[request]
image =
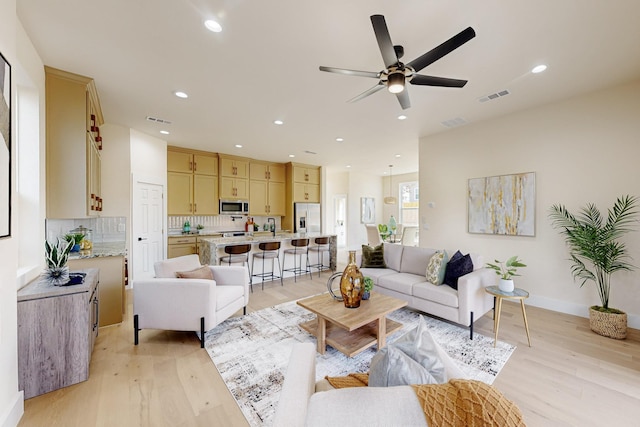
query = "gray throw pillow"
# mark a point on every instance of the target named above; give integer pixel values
(373, 257)
(411, 359)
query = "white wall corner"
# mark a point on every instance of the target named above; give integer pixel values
(14, 411)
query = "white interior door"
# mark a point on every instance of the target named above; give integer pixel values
(147, 233)
(340, 219)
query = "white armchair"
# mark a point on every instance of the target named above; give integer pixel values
(181, 304)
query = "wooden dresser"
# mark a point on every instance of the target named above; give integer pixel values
(57, 327)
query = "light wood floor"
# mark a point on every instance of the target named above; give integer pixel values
(569, 377)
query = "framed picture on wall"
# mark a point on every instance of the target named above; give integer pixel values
(5, 147)
(367, 210)
(504, 204)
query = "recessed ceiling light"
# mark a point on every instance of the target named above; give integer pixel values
(402, 117)
(278, 122)
(212, 26)
(181, 94)
(164, 132)
(238, 145)
(292, 155)
(398, 155)
(538, 69)
(339, 139)
(348, 166)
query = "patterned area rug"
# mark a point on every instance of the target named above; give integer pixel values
(252, 352)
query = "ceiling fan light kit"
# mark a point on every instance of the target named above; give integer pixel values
(396, 73)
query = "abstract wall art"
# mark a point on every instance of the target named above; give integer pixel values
(502, 204)
(5, 147)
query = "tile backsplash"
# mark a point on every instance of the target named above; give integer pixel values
(217, 222)
(103, 229)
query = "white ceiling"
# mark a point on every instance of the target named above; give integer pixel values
(264, 66)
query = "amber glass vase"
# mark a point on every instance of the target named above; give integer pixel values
(352, 283)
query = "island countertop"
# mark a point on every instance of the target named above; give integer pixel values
(209, 251)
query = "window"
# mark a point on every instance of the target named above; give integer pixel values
(409, 200)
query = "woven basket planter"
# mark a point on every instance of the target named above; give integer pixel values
(612, 325)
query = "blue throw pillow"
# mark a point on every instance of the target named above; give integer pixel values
(458, 266)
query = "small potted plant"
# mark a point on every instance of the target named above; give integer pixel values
(368, 286)
(57, 272)
(506, 271)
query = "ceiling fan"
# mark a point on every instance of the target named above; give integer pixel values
(396, 73)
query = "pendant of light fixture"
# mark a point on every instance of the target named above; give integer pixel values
(390, 200)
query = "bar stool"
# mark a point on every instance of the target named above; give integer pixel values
(322, 246)
(236, 254)
(270, 250)
(300, 247)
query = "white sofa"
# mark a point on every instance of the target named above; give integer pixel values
(405, 277)
(171, 303)
(305, 402)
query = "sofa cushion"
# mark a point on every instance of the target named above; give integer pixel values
(394, 406)
(169, 267)
(415, 260)
(412, 359)
(437, 267)
(458, 266)
(373, 257)
(203, 272)
(444, 295)
(393, 255)
(400, 282)
(376, 273)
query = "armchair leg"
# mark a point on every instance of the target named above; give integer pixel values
(135, 329)
(202, 332)
(244, 310)
(471, 327)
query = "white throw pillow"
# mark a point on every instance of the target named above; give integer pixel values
(411, 359)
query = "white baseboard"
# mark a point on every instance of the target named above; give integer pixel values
(633, 320)
(10, 417)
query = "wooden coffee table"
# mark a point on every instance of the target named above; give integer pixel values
(351, 330)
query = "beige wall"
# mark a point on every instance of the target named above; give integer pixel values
(582, 150)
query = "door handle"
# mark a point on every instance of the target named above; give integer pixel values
(141, 238)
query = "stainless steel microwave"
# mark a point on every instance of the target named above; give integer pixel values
(234, 207)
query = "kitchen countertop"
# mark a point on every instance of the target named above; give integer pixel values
(101, 250)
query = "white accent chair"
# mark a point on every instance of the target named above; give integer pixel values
(373, 235)
(171, 303)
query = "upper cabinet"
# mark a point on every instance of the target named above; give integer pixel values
(267, 188)
(234, 177)
(74, 143)
(192, 182)
(306, 183)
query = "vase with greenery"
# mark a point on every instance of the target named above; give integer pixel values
(368, 286)
(76, 238)
(506, 270)
(597, 252)
(57, 272)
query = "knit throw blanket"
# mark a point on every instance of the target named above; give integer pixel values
(458, 403)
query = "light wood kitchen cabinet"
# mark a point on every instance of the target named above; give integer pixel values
(57, 328)
(181, 245)
(306, 193)
(267, 192)
(73, 142)
(112, 297)
(192, 184)
(306, 174)
(182, 160)
(234, 167)
(234, 188)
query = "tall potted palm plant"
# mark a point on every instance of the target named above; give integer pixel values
(597, 252)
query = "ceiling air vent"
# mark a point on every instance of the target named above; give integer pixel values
(494, 96)
(451, 123)
(309, 152)
(157, 120)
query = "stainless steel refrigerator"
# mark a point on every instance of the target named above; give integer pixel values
(307, 218)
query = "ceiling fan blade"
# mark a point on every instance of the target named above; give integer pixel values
(403, 99)
(351, 72)
(419, 79)
(384, 40)
(368, 92)
(445, 48)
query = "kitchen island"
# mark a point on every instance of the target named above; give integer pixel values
(213, 248)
